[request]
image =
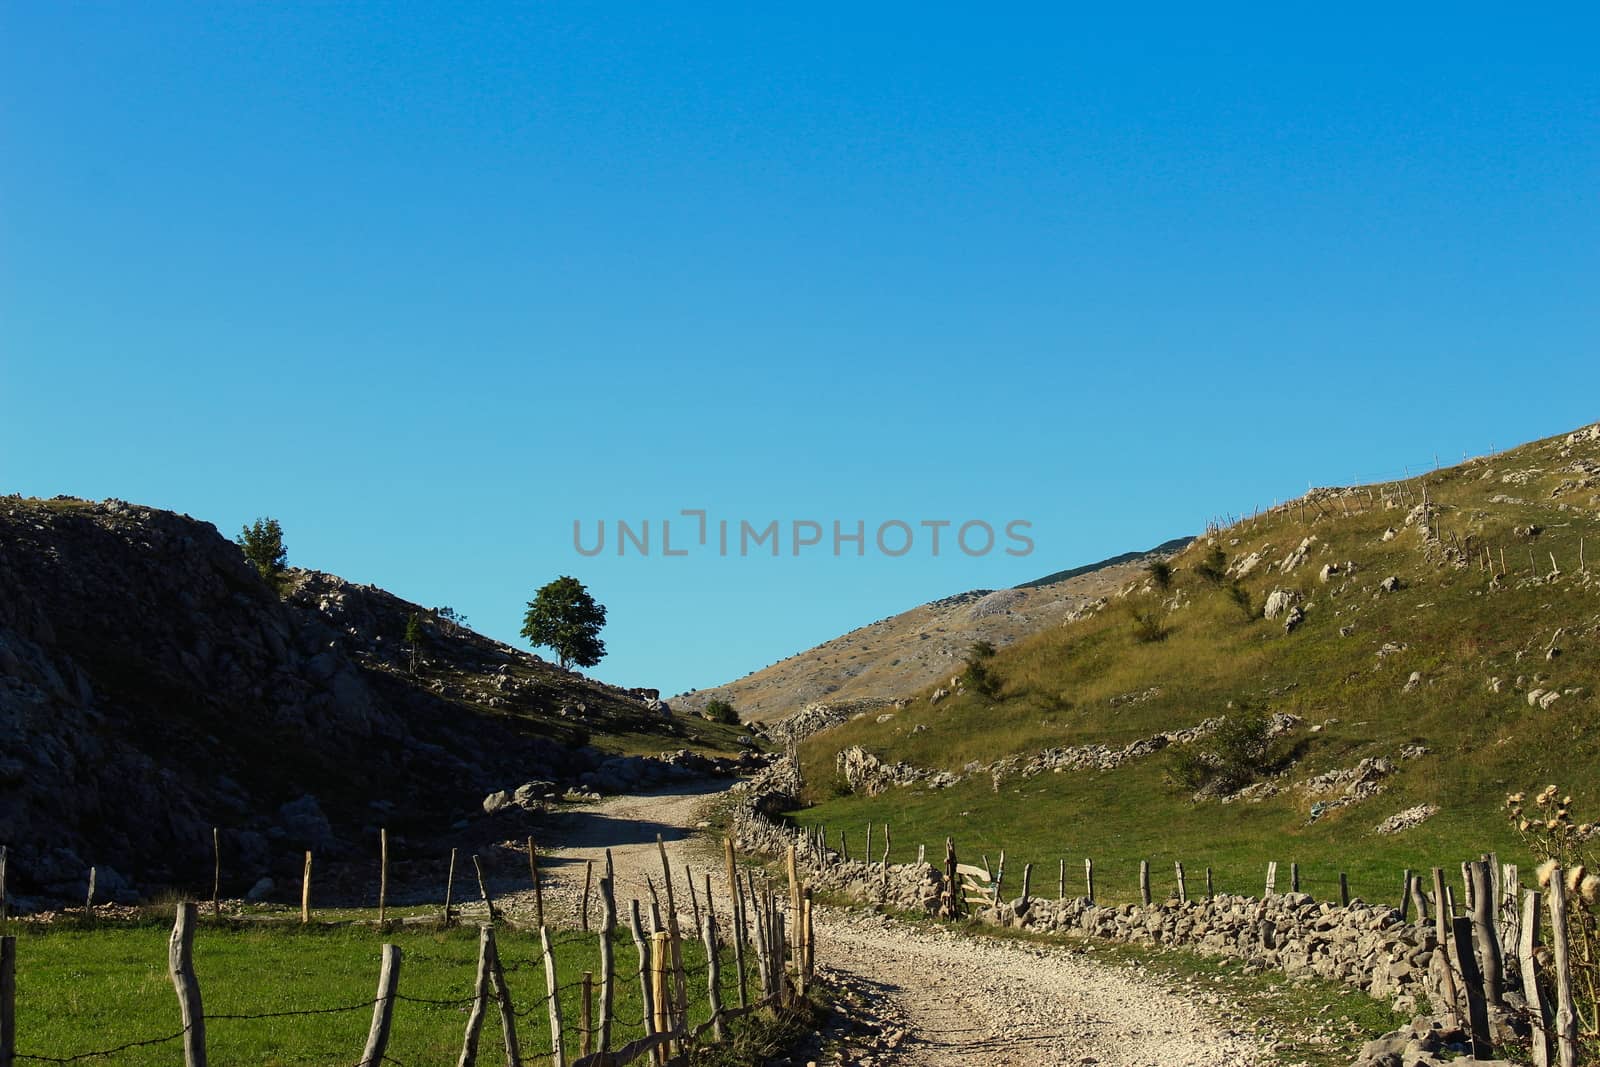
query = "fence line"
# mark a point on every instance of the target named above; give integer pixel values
(787, 951)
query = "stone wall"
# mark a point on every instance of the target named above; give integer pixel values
(1363, 945)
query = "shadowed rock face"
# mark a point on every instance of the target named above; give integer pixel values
(152, 686)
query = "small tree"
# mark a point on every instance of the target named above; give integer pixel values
(263, 547)
(1160, 572)
(719, 710)
(413, 637)
(1236, 753)
(1213, 567)
(562, 616)
(451, 617)
(977, 675)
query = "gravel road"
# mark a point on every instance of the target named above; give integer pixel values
(938, 997)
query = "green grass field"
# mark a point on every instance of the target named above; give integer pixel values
(82, 989)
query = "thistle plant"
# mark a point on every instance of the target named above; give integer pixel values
(1560, 842)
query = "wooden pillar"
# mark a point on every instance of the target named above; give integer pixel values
(480, 999)
(538, 889)
(646, 996)
(1344, 890)
(383, 875)
(1472, 979)
(382, 1008)
(1566, 1011)
(1538, 1012)
(1183, 890)
(608, 962)
(449, 886)
(737, 905)
(1483, 931)
(1088, 878)
(305, 891)
(180, 967)
(1144, 881)
(552, 997)
(502, 998)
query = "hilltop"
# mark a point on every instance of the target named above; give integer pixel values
(896, 656)
(153, 686)
(1414, 651)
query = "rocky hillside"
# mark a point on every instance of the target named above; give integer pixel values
(905, 652)
(153, 686)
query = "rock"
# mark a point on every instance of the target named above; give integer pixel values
(1279, 601)
(1404, 820)
(1293, 619)
(1392, 584)
(1413, 683)
(496, 802)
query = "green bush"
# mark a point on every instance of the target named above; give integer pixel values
(1148, 627)
(1238, 752)
(719, 710)
(1213, 566)
(1160, 572)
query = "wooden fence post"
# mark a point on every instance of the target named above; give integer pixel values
(1483, 931)
(1061, 885)
(1472, 979)
(216, 873)
(88, 900)
(1419, 900)
(646, 997)
(737, 899)
(1144, 881)
(1344, 890)
(449, 886)
(1272, 878)
(5, 901)
(811, 951)
(1537, 1010)
(952, 894)
(1442, 917)
(483, 888)
(713, 969)
(1294, 877)
(480, 998)
(180, 966)
(305, 891)
(538, 889)
(1405, 895)
(552, 995)
(1566, 1013)
(694, 896)
(502, 999)
(382, 1008)
(680, 981)
(759, 926)
(1088, 878)
(1211, 891)
(608, 962)
(660, 966)
(383, 875)
(1183, 890)
(8, 1001)
(583, 906)
(794, 879)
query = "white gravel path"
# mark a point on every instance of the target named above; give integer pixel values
(940, 997)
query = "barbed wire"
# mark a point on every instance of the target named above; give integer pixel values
(35, 1058)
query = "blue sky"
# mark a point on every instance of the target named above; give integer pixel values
(428, 284)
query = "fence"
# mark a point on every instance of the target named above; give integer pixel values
(1490, 940)
(775, 939)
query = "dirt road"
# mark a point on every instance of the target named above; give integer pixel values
(958, 1000)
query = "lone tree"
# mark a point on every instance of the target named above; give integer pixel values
(413, 638)
(263, 547)
(563, 616)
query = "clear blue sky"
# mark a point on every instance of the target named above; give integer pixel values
(427, 283)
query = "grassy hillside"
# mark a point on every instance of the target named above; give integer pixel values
(1447, 660)
(898, 655)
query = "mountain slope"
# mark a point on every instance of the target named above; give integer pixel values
(1422, 647)
(898, 655)
(152, 686)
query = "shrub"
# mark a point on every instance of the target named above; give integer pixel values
(719, 710)
(263, 547)
(1148, 627)
(977, 676)
(1160, 572)
(1238, 752)
(1241, 596)
(1213, 567)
